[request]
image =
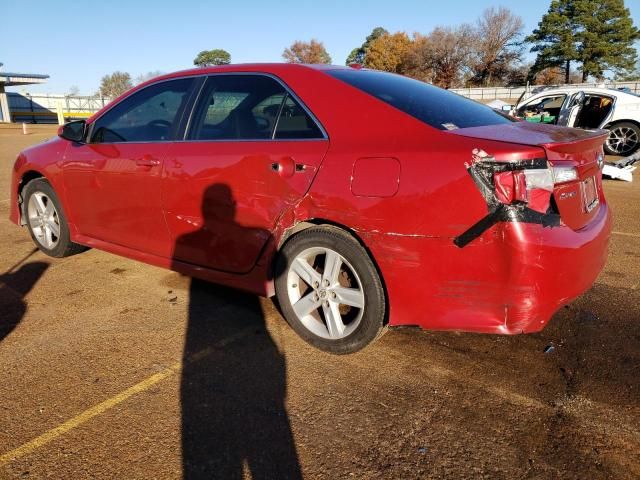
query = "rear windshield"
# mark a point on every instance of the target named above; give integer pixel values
(432, 105)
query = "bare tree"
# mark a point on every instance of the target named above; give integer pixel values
(498, 45)
(418, 63)
(442, 56)
(306, 52)
(143, 77)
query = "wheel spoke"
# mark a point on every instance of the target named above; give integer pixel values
(349, 296)
(332, 316)
(332, 264)
(306, 305)
(305, 271)
(36, 204)
(49, 209)
(40, 206)
(48, 239)
(53, 226)
(34, 223)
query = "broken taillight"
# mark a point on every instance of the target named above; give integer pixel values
(531, 186)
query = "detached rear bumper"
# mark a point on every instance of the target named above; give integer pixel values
(510, 280)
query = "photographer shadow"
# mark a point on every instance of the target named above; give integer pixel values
(15, 284)
(234, 417)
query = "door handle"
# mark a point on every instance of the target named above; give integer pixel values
(287, 166)
(147, 161)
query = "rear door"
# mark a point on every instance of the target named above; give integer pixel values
(113, 181)
(251, 151)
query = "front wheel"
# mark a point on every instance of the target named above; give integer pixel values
(46, 221)
(623, 140)
(329, 290)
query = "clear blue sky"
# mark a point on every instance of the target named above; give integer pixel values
(77, 42)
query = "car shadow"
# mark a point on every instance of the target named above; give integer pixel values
(15, 284)
(234, 417)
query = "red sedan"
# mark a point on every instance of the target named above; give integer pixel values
(361, 199)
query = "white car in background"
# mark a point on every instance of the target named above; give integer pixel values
(589, 108)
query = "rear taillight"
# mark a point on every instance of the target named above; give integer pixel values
(532, 186)
(564, 174)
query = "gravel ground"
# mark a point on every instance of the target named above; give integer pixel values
(114, 369)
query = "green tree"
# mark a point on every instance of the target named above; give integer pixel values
(115, 84)
(207, 58)
(606, 37)
(306, 52)
(555, 39)
(357, 54)
(598, 34)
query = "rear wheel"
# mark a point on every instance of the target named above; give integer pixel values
(330, 291)
(46, 221)
(624, 139)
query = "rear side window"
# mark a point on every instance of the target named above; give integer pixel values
(146, 116)
(294, 122)
(249, 107)
(432, 105)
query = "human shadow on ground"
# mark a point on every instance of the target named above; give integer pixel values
(15, 284)
(233, 385)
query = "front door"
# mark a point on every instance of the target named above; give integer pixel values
(571, 109)
(251, 152)
(113, 181)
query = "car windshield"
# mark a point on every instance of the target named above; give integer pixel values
(432, 105)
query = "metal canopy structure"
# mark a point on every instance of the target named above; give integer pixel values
(11, 79)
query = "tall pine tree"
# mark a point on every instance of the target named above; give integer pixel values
(555, 38)
(598, 34)
(606, 37)
(357, 54)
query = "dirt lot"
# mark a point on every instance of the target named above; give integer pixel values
(114, 369)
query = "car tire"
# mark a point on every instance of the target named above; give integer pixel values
(628, 130)
(330, 291)
(46, 220)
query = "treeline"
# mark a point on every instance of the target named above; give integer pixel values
(576, 40)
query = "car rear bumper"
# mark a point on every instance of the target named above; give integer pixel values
(510, 280)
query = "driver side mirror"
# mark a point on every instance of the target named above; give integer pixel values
(73, 131)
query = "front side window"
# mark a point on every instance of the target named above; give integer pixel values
(148, 115)
(249, 107)
(432, 105)
(543, 109)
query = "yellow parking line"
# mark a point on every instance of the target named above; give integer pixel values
(102, 407)
(625, 234)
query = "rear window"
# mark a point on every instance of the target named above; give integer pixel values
(432, 105)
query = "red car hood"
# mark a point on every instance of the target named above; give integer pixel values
(551, 137)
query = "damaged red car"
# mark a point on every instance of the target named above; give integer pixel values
(361, 199)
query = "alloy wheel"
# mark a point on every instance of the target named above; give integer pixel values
(622, 140)
(325, 292)
(43, 220)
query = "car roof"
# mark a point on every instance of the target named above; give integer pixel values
(577, 88)
(249, 67)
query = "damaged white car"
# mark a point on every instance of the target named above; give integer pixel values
(588, 108)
